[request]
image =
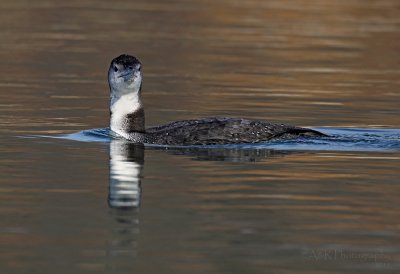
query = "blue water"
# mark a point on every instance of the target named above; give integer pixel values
(340, 139)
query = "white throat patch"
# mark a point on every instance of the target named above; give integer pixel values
(125, 104)
(121, 107)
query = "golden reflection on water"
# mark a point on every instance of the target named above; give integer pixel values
(319, 63)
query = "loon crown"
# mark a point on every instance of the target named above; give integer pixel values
(126, 60)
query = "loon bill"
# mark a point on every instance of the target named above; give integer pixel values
(127, 117)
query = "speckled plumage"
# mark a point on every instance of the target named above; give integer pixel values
(221, 130)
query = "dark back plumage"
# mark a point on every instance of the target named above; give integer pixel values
(223, 131)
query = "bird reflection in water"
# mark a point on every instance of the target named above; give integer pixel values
(127, 160)
(126, 164)
(239, 155)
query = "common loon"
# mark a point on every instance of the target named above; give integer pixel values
(127, 117)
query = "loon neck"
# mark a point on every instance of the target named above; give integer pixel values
(127, 113)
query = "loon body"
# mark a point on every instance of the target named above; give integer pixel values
(128, 120)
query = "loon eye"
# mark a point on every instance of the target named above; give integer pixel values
(130, 68)
(115, 68)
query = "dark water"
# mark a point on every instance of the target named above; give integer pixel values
(82, 202)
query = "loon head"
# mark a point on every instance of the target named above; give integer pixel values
(126, 108)
(124, 75)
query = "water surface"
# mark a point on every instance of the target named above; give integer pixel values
(88, 203)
